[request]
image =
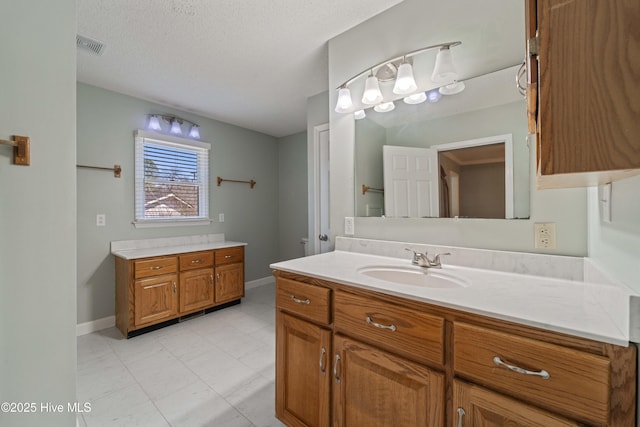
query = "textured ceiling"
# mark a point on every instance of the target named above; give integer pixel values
(251, 63)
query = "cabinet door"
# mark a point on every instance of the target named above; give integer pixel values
(156, 299)
(474, 406)
(196, 289)
(303, 381)
(374, 388)
(229, 282)
(588, 84)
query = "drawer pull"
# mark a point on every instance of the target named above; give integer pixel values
(323, 355)
(542, 373)
(391, 327)
(300, 301)
(461, 414)
(196, 261)
(155, 267)
(228, 256)
(335, 369)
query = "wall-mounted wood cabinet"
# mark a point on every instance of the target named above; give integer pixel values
(153, 290)
(584, 90)
(350, 356)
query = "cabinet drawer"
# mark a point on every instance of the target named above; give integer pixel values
(155, 266)
(578, 383)
(309, 301)
(408, 332)
(196, 260)
(229, 255)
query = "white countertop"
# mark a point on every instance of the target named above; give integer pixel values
(143, 248)
(589, 310)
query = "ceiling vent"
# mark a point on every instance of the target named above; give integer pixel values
(91, 45)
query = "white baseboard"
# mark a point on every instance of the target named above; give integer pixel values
(95, 325)
(259, 282)
(110, 321)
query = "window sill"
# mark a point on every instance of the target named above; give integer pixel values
(156, 223)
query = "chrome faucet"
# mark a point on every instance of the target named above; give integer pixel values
(423, 260)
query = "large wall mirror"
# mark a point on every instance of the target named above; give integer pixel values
(466, 155)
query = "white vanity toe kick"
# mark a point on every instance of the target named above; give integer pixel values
(588, 310)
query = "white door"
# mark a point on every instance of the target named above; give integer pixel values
(321, 226)
(410, 182)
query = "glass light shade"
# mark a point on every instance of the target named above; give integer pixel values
(372, 94)
(154, 123)
(385, 107)
(452, 89)
(175, 128)
(434, 96)
(416, 98)
(444, 68)
(360, 114)
(405, 83)
(194, 132)
(344, 103)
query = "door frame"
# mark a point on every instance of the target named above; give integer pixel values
(315, 204)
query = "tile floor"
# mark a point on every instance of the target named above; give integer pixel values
(215, 370)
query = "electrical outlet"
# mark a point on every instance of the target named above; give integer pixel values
(545, 235)
(349, 226)
(101, 220)
(221, 217)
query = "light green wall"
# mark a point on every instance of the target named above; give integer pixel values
(361, 47)
(38, 210)
(615, 245)
(292, 194)
(105, 124)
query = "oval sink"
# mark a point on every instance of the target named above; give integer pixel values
(418, 276)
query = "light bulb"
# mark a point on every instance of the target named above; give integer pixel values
(175, 128)
(154, 123)
(360, 114)
(372, 94)
(434, 96)
(344, 103)
(194, 132)
(416, 98)
(405, 83)
(444, 68)
(385, 107)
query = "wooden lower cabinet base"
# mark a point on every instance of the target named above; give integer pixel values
(141, 331)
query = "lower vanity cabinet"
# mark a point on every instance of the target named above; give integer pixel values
(196, 281)
(153, 290)
(303, 354)
(376, 388)
(229, 282)
(354, 357)
(476, 406)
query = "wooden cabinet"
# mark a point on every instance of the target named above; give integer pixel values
(377, 388)
(150, 291)
(156, 299)
(347, 356)
(477, 406)
(229, 274)
(303, 378)
(583, 90)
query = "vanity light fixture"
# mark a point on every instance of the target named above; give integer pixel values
(400, 69)
(173, 125)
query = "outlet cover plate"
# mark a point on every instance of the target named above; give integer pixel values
(349, 226)
(545, 235)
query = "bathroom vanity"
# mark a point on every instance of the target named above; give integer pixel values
(364, 339)
(160, 281)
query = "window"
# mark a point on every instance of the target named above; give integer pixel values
(172, 180)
